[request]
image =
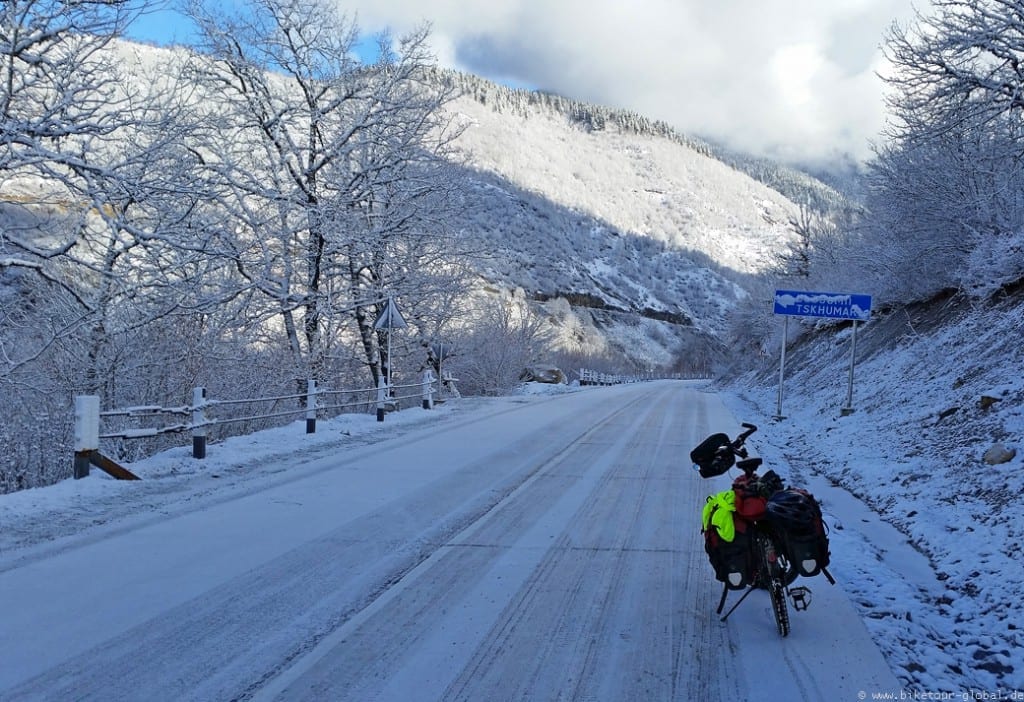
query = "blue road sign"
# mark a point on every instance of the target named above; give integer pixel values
(823, 304)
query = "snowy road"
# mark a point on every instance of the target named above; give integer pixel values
(543, 550)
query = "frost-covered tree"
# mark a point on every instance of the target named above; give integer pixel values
(505, 339)
(58, 94)
(958, 67)
(795, 259)
(56, 82)
(950, 179)
(329, 169)
(91, 162)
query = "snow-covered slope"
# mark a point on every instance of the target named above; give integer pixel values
(937, 385)
(634, 183)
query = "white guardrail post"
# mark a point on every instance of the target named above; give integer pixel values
(311, 406)
(428, 389)
(198, 423)
(382, 391)
(87, 432)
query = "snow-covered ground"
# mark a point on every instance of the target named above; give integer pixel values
(41, 515)
(511, 548)
(925, 536)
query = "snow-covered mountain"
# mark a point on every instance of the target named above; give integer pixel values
(629, 235)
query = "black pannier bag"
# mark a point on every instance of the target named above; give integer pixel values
(732, 560)
(797, 516)
(709, 457)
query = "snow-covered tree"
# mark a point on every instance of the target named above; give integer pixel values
(91, 158)
(950, 179)
(58, 93)
(329, 169)
(56, 82)
(958, 67)
(505, 339)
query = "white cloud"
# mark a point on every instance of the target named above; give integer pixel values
(794, 78)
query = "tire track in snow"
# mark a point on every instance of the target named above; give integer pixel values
(563, 588)
(281, 610)
(353, 662)
(590, 622)
(703, 652)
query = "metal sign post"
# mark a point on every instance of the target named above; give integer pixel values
(848, 407)
(389, 319)
(827, 305)
(440, 351)
(782, 368)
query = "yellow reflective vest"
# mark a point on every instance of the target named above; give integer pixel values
(718, 512)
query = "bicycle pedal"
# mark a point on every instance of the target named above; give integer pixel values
(801, 597)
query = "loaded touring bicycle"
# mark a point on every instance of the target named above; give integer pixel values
(760, 534)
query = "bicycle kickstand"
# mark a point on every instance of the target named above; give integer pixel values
(721, 602)
(738, 602)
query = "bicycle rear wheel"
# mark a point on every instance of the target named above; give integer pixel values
(777, 592)
(775, 584)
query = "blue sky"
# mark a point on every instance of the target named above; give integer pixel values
(792, 79)
(162, 27)
(165, 27)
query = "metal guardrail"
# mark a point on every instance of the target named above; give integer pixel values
(88, 415)
(591, 377)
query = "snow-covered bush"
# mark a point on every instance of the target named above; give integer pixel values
(504, 340)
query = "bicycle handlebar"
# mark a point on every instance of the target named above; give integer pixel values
(737, 444)
(717, 453)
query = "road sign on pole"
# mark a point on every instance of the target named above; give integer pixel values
(823, 304)
(827, 305)
(389, 319)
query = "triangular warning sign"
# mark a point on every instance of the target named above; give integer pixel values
(390, 318)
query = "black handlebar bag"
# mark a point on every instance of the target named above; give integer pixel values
(713, 456)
